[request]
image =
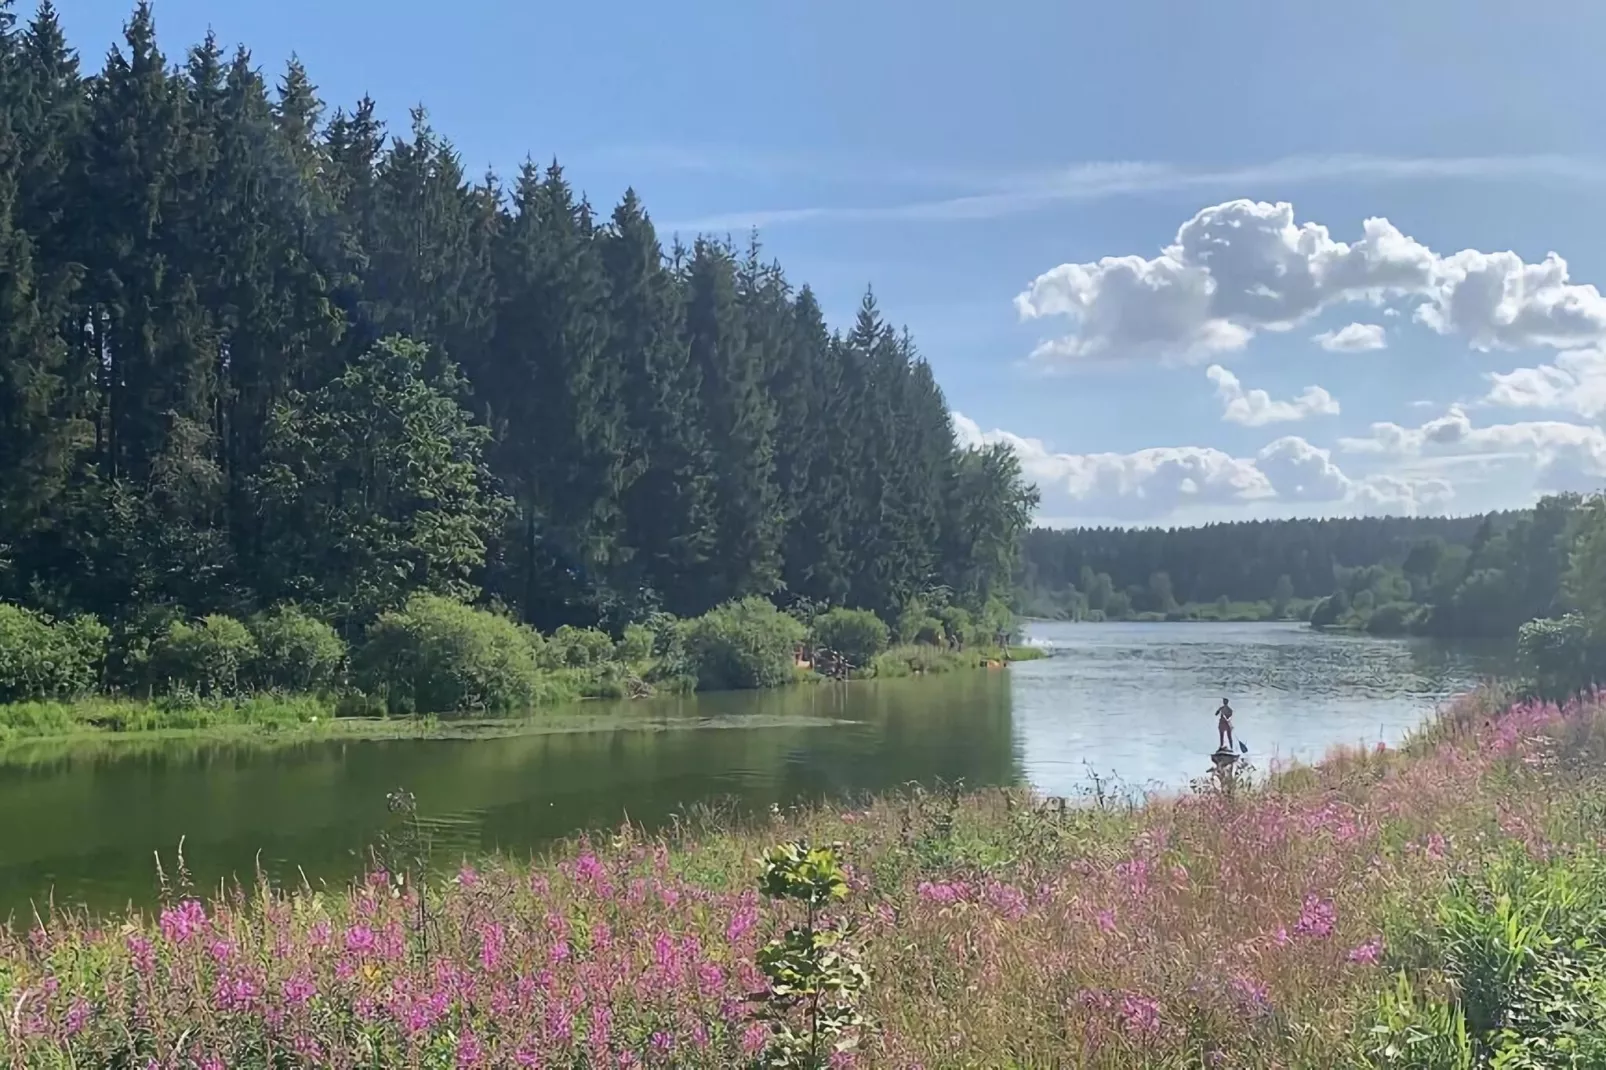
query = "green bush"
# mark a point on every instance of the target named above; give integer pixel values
(1559, 658)
(1393, 618)
(295, 652)
(740, 645)
(575, 648)
(436, 655)
(635, 646)
(210, 657)
(958, 624)
(857, 634)
(41, 658)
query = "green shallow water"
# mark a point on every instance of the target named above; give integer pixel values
(83, 821)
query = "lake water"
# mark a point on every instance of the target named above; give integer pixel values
(1132, 702)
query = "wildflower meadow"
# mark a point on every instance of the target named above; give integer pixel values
(1437, 905)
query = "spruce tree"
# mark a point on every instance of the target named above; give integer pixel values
(740, 419)
(665, 508)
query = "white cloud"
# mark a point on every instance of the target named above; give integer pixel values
(1575, 383)
(1003, 195)
(1551, 454)
(1242, 267)
(1161, 482)
(1354, 338)
(1255, 408)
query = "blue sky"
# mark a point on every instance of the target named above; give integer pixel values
(952, 153)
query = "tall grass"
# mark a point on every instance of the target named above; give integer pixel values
(1308, 920)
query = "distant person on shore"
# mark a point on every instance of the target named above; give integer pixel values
(1224, 724)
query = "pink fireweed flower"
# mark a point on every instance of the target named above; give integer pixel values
(318, 936)
(741, 923)
(1138, 1015)
(469, 1051)
(492, 940)
(1369, 953)
(360, 939)
(468, 877)
(140, 950)
(1106, 920)
(1251, 992)
(1316, 918)
(221, 951)
(298, 990)
(378, 879)
(183, 921)
(77, 1015)
(234, 994)
(589, 868)
(1135, 874)
(944, 892)
(1008, 901)
(755, 1038)
(710, 978)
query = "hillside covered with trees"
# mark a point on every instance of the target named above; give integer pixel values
(256, 352)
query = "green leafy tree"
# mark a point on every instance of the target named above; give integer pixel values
(375, 487)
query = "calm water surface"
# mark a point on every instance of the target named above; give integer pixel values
(1133, 702)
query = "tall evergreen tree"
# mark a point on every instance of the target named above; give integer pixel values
(554, 398)
(741, 420)
(665, 508)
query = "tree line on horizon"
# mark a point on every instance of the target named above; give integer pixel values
(253, 352)
(1483, 575)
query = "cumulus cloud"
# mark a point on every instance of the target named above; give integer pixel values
(1354, 338)
(1255, 408)
(1242, 267)
(1560, 456)
(1574, 383)
(1152, 484)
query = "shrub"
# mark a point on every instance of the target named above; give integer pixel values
(957, 623)
(1559, 658)
(295, 651)
(1393, 618)
(436, 655)
(575, 648)
(857, 634)
(635, 646)
(41, 658)
(209, 657)
(743, 644)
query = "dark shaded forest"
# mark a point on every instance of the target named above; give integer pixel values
(257, 351)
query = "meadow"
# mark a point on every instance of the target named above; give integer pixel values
(1439, 905)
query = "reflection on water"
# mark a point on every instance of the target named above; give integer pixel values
(1132, 700)
(1138, 701)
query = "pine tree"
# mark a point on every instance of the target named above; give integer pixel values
(741, 419)
(554, 400)
(665, 507)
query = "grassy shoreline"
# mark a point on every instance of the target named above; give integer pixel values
(1318, 919)
(293, 718)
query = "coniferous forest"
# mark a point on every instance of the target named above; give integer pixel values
(256, 348)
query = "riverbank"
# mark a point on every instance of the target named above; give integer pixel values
(1307, 922)
(561, 706)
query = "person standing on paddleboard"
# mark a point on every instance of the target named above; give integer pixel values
(1224, 724)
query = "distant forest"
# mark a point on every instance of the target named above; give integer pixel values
(256, 351)
(1450, 575)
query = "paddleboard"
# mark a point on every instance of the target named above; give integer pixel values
(1224, 756)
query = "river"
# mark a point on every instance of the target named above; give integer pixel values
(1132, 703)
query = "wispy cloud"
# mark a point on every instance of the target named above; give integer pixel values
(1020, 194)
